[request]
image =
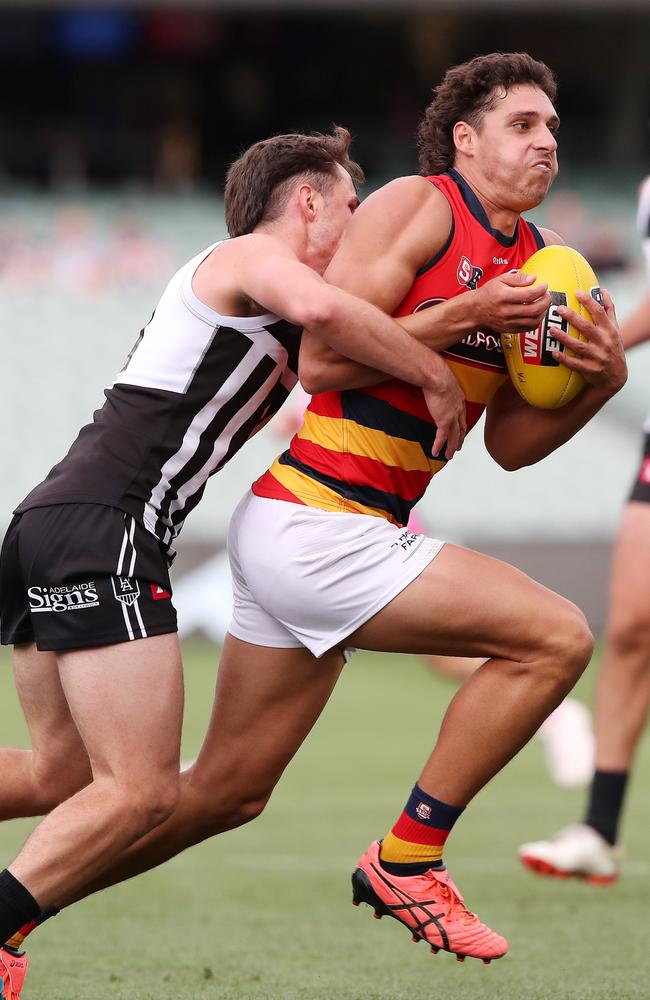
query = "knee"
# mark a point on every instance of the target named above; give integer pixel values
(218, 806)
(628, 637)
(59, 781)
(149, 806)
(570, 644)
(246, 808)
(230, 813)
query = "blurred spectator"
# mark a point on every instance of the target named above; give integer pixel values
(77, 252)
(22, 260)
(133, 257)
(76, 255)
(178, 165)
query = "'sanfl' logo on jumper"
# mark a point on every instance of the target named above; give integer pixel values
(468, 275)
(536, 345)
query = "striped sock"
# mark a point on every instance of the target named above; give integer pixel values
(416, 841)
(14, 943)
(17, 905)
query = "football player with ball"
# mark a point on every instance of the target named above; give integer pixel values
(339, 570)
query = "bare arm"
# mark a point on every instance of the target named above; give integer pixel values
(270, 275)
(636, 328)
(517, 434)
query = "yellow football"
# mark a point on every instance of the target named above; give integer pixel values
(538, 377)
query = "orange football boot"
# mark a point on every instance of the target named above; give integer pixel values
(13, 969)
(430, 906)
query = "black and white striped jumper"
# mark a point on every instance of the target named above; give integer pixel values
(194, 388)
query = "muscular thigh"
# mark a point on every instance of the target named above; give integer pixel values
(53, 733)
(466, 604)
(127, 703)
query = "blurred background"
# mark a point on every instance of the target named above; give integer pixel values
(117, 124)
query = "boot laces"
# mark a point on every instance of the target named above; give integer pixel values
(455, 905)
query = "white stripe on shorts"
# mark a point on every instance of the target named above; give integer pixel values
(128, 540)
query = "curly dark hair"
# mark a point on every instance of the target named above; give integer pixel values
(259, 183)
(466, 93)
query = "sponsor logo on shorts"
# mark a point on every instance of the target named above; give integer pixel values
(423, 811)
(406, 540)
(71, 597)
(126, 589)
(159, 593)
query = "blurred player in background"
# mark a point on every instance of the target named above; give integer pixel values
(590, 849)
(102, 691)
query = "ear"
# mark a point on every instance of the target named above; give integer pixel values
(308, 201)
(464, 138)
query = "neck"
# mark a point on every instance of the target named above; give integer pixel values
(501, 217)
(296, 237)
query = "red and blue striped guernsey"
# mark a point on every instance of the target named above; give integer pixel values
(368, 451)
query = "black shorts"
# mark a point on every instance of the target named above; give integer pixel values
(60, 561)
(641, 488)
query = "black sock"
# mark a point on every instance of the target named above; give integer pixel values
(606, 802)
(17, 905)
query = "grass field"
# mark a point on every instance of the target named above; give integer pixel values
(264, 912)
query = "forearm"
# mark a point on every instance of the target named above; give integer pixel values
(636, 329)
(365, 335)
(437, 327)
(336, 373)
(443, 324)
(523, 435)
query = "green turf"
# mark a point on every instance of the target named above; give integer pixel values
(264, 912)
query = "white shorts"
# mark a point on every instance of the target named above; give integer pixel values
(309, 577)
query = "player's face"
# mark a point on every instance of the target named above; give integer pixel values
(516, 148)
(337, 207)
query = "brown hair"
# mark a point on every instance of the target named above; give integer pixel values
(466, 93)
(259, 183)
